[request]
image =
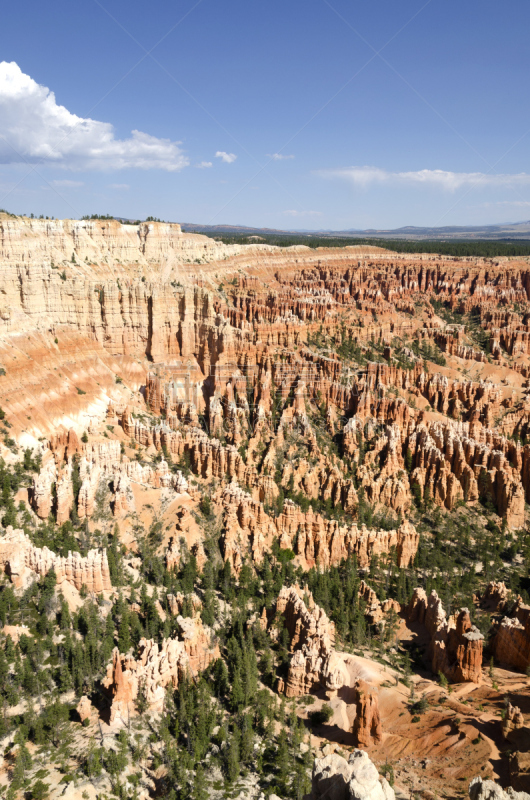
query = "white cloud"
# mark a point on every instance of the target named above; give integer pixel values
(124, 186)
(450, 181)
(37, 128)
(228, 158)
(294, 213)
(68, 184)
(204, 165)
(277, 156)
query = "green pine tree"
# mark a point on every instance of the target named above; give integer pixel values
(201, 789)
(233, 765)
(237, 696)
(124, 635)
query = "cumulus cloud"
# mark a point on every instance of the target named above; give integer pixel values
(278, 156)
(294, 213)
(204, 165)
(68, 184)
(34, 127)
(228, 158)
(450, 181)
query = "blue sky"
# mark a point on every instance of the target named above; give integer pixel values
(315, 114)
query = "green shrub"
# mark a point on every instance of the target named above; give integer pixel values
(321, 716)
(39, 790)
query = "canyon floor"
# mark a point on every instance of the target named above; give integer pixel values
(262, 509)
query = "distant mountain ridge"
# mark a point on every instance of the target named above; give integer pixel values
(516, 230)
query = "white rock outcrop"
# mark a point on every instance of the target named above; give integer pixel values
(356, 779)
(489, 790)
(20, 559)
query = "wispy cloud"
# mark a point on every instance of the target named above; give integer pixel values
(123, 186)
(228, 158)
(204, 165)
(449, 181)
(294, 213)
(278, 156)
(35, 128)
(68, 184)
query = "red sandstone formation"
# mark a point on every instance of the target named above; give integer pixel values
(302, 617)
(42, 487)
(177, 603)
(84, 708)
(513, 721)
(153, 318)
(64, 495)
(124, 502)
(65, 444)
(244, 387)
(450, 461)
(511, 643)
(15, 632)
(86, 498)
(250, 531)
(19, 558)
(448, 474)
(376, 610)
(495, 596)
(208, 457)
(454, 466)
(173, 555)
(456, 644)
(367, 726)
(99, 462)
(187, 537)
(462, 660)
(451, 341)
(314, 663)
(156, 667)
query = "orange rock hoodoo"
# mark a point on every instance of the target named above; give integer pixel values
(250, 531)
(99, 463)
(19, 558)
(513, 721)
(231, 357)
(511, 643)
(367, 726)
(451, 461)
(375, 610)
(456, 644)
(314, 662)
(495, 596)
(156, 667)
(302, 392)
(316, 665)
